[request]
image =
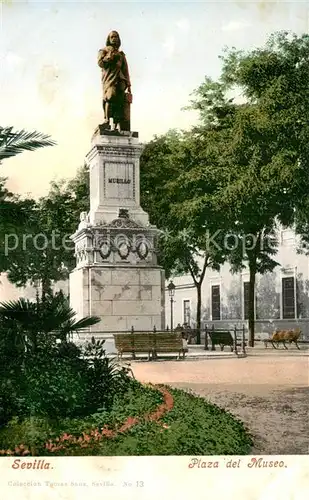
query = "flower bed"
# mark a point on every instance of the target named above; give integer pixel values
(137, 400)
(174, 423)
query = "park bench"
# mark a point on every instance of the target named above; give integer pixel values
(150, 343)
(134, 343)
(222, 338)
(283, 336)
(168, 342)
(234, 338)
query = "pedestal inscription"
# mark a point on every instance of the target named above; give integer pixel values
(119, 181)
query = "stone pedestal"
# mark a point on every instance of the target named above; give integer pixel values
(116, 276)
(114, 177)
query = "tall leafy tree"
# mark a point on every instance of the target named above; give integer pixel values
(45, 252)
(266, 146)
(14, 211)
(14, 219)
(179, 178)
(270, 148)
(256, 150)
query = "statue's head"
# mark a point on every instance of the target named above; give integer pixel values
(113, 39)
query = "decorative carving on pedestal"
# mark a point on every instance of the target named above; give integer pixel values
(123, 248)
(124, 223)
(110, 150)
(122, 240)
(142, 250)
(105, 249)
(84, 220)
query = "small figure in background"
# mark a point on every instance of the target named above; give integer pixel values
(178, 328)
(188, 331)
(184, 342)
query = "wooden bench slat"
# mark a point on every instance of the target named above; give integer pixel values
(149, 342)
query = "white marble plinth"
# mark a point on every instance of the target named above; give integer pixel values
(122, 297)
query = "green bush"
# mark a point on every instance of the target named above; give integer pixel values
(53, 387)
(57, 378)
(66, 381)
(35, 431)
(10, 377)
(39, 376)
(8, 401)
(105, 378)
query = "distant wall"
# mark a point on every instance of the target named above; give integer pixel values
(9, 291)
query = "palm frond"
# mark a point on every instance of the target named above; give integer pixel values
(14, 142)
(48, 317)
(22, 310)
(15, 306)
(80, 324)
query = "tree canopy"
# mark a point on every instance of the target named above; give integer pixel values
(45, 252)
(246, 158)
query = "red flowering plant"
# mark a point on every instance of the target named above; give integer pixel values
(93, 437)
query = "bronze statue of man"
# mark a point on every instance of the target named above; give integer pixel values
(116, 84)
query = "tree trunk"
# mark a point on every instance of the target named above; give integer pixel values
(251, 319)
(198, 285)
(198, 312)
(46, 288)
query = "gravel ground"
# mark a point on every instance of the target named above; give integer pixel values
(269, 393)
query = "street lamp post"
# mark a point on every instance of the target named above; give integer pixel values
(171, 291)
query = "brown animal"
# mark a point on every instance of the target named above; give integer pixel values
(283, 336)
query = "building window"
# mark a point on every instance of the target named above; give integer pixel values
(288, 298)
(186, 312)
(287, 237)
(215, 302)
(246, 300)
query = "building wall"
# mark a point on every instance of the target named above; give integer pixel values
(8, 291)
(269, 301)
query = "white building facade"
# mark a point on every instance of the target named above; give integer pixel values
(281, 297)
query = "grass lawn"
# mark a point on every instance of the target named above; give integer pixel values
(144, 421)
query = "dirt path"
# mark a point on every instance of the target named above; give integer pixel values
(269, 394)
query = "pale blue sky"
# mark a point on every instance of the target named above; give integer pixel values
(50, 81)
